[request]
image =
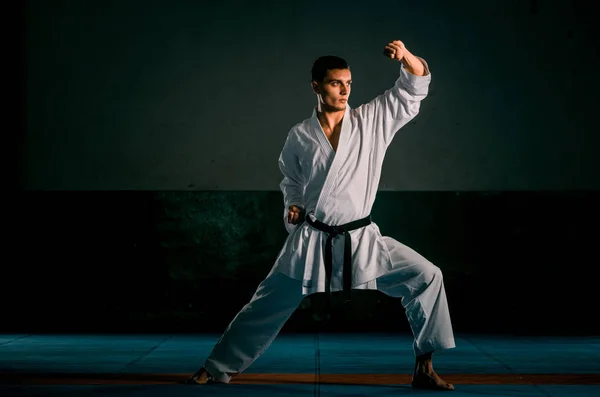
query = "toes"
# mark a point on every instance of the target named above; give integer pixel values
(431, 383)
(195, 381)
(199, 378)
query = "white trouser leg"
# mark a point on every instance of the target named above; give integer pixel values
(256, 325)
(421, 286)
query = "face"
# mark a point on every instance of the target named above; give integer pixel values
(334, 90)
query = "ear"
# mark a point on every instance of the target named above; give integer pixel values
(315, 87)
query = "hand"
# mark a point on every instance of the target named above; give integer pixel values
(395, 50)
(295, 215)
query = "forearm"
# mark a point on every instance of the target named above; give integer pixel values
(412, 64)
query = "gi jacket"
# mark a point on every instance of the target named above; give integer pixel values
(340, 187)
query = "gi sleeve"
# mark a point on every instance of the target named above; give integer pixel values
(393, 109)
(292, 185)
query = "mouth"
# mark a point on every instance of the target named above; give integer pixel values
(343, 100)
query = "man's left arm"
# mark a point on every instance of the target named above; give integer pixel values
(393, 109)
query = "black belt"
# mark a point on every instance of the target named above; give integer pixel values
(335, 231)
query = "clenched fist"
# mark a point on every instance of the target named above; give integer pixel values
(395, 50)
(295, 215)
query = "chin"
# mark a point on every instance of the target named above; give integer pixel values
(336, 107)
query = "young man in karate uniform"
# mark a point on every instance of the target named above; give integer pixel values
(331, 165)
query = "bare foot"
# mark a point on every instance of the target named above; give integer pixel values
(430, 381)
(200, 378)
(424, 377)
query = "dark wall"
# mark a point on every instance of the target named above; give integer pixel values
(124, 100)
(187, 261)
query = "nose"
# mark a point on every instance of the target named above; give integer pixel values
(345, 89)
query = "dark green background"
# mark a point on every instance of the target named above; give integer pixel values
(152, 130)
(193, 95)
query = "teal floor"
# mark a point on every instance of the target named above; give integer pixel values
(153, 365)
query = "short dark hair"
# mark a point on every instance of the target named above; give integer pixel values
(325, 63)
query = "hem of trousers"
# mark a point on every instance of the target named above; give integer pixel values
(434, 345)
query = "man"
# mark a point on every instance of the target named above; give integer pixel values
(331, 165)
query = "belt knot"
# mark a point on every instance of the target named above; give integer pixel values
(333, 231)
(337, 230)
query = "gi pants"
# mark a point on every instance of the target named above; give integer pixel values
(414, 279)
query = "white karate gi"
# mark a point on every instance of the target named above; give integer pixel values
(337, 188)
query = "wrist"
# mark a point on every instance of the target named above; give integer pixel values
(412, 64)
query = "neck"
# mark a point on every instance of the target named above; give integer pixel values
(329, 119)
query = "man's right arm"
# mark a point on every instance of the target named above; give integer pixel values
(292, 185)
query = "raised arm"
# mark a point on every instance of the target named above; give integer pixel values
(393, 109)
(292, 185)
